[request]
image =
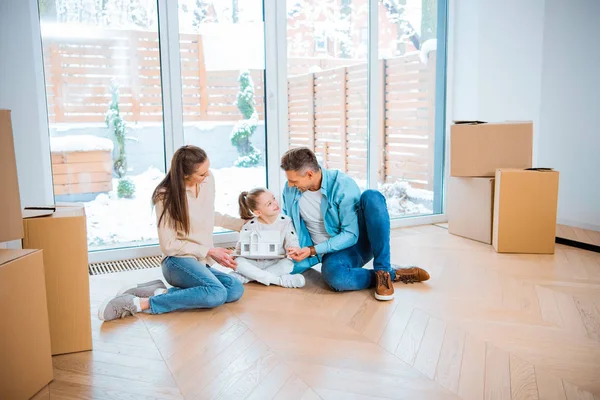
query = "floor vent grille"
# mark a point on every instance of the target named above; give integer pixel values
(109, 267)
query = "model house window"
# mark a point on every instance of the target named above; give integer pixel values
(271, 247)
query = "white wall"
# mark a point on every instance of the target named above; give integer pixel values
(536, 60)
(570, 108)
(22, 91)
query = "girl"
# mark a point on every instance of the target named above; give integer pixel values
(185, 212)
(261, 207)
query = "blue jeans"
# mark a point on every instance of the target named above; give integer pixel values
(343, 270)
(195, 286)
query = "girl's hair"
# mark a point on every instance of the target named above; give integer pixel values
(248, 202)
(171, 190)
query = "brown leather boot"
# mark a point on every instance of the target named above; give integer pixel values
(410, 274)
(384, 289)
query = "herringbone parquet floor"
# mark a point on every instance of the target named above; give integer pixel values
(486, 326)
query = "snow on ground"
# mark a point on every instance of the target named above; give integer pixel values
(80, 143)
(114, 222)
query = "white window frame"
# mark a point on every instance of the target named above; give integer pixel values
(375, 122)
(276, 107)
(276, 87)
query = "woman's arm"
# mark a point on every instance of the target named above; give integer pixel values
(229, 222)
(170, 244)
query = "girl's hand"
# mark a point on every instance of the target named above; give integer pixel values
(223, 257)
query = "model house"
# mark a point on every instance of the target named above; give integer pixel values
(260, 244)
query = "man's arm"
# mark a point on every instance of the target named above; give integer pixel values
(290, 238)
(347, 212)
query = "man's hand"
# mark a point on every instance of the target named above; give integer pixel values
(297, 254)
(223, 257)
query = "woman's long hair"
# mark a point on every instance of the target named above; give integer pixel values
(171, 190)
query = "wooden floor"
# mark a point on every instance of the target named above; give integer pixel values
(486, 326)
(578, 234)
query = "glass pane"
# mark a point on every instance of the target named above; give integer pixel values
(407, 58)
(223, 68)
(327, 46)
(103, 87)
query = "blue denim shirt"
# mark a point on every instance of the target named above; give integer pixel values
(339, 208)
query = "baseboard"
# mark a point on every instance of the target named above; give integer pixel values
(579, 245)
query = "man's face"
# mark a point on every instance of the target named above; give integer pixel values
(302, 181)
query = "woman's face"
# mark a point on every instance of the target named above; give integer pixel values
(200, 174)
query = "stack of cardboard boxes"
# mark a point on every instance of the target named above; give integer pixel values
(44, 289)
(494, 194)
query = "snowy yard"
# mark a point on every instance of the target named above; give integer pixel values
(114, 222)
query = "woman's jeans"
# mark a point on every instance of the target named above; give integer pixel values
(195, 285)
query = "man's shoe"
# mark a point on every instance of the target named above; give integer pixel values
(143, 289)
(117, 307)
(384, 289)
(410, 275)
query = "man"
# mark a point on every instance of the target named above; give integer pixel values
(340, 228)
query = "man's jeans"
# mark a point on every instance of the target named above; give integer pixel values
(195, 286)
(343, 270)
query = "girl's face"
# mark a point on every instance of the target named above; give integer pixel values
(266, 205)
(199, 175)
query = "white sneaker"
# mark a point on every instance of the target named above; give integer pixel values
(240, 277)
(292, 281)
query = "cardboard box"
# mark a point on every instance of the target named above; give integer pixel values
(477, 149)
(62, 236)
(470, 206)
(525, 207)
(25, 359)
(11, 227)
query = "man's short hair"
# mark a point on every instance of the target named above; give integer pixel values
(300, 160)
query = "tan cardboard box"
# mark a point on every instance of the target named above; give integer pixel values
(11, 227)
(470, 205)
(25, 358)
(478, 149)
(525, 207)
(62, 237)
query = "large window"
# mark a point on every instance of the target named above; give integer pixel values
(334, 83)
(129, 81)
(327, 83)
(104, 66)
(222, 53)
(408, 63)
(105, 111)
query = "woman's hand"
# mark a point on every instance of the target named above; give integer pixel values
(223, 257)
(298, 254)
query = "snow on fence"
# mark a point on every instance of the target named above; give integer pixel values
(327, 111)
(81, 164)
(79, 72)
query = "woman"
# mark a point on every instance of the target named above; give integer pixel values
(185, 211)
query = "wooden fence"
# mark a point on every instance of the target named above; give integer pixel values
(327, 111)
(79, 72)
